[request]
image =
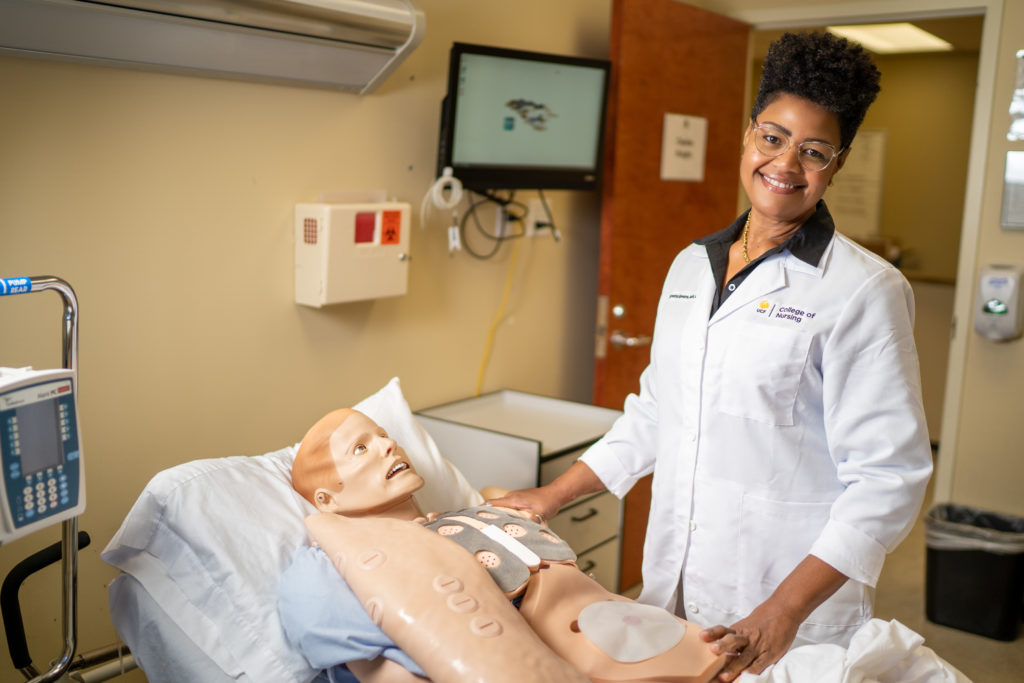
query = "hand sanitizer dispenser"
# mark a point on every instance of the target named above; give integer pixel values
(998, 313)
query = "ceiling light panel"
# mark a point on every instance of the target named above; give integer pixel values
(892, 38)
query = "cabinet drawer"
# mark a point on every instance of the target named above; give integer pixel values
(589, 522)
(550, 469)
(602, 563)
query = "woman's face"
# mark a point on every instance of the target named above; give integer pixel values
(779, 188)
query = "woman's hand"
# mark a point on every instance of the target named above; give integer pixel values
(752, 644)
(770, 629)
(541, 504)
(546, 501)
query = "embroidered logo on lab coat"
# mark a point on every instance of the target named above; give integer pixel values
(777, 312)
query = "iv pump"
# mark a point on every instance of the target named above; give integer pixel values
(39, 447)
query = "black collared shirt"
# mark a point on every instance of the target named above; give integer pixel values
(807, 244)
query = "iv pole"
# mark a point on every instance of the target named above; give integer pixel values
(69, 528)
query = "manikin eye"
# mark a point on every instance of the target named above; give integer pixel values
(359, 449)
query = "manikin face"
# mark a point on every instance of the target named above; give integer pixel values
(373, 472)
(779, 188)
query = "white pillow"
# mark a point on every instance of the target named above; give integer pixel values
(209, 539)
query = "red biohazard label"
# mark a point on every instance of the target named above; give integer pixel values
(390, 227)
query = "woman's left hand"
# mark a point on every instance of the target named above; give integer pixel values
(753, 643)
(770, 629)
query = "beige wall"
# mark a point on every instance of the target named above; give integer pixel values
(988, 470)
(166, 201)
(925, 108)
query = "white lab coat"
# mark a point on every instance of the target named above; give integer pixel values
(789, 423)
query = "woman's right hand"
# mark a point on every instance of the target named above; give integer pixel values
(546, 501)
(540, 502)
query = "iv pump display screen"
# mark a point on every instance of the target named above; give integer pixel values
(40, 433)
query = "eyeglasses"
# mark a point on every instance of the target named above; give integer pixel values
(772, 141)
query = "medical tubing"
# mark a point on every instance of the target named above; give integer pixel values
(435, 195)
(14, 626)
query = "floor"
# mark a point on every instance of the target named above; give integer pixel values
(900, 596)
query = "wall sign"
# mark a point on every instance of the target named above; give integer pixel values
(683, 143)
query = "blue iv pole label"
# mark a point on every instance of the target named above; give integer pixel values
(15, 285)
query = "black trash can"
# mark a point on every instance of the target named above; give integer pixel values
(975, 570)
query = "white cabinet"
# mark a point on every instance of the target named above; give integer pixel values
(517, 440)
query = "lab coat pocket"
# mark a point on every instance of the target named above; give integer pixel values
(779, 536)
(761, 371)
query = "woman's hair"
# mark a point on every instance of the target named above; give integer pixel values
(825, 69)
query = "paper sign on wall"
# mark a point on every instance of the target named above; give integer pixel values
(683, 145)
(855, 201)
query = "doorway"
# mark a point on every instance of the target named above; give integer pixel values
(950, 356)
(767, 18)
(885, 201)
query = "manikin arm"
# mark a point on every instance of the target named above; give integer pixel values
(442, 608)
(383, 670)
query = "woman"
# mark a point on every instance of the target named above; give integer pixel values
(781, 412)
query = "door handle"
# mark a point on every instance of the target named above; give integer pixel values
(620, 339)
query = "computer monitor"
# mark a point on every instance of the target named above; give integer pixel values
(523, 120)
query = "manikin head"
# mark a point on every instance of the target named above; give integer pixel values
(348, 465)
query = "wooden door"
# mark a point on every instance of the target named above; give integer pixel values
(668, 57)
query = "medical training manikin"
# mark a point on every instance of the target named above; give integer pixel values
(424, 583)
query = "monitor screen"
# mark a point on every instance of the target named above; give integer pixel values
(39, 436)
(515, 119)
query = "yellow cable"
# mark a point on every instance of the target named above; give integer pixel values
(497, 318)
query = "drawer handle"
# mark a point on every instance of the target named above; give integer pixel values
(583, 518)
(588, 567)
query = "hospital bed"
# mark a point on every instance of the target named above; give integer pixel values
(202, 550)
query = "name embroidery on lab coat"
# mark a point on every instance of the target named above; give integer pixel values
(682, 296)
(770, 310)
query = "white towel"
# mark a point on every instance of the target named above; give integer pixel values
(880, 652)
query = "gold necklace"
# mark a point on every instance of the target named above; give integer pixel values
(746, 229)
